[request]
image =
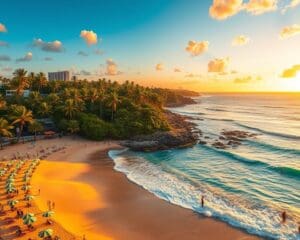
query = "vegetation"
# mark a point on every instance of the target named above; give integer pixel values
(94, 109)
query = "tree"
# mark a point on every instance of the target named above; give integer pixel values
(73, 126)
(44, 109)
(70, 108)
(20, 80)
(35, 127)
(5, 128)
(114, 100)
(22, 117)
(41, 80)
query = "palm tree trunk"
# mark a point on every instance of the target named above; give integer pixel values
(1, 143)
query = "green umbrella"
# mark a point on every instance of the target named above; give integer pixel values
(10, 190)
(29, 197)
(48, 214)
(26, 187)
(12, 203)
(29, 219)
(46, 233)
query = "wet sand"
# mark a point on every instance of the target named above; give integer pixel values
(94, 200)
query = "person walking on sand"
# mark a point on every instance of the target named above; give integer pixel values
(283, 216)
(83, 238)
(53, 205)
(202, 201)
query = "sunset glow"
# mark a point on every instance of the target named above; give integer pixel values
(218, 45)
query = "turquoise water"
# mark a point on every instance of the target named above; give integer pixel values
(247, 186)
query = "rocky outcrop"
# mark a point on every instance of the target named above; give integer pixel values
(182, 134)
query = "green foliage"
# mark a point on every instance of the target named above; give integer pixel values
(94, 109)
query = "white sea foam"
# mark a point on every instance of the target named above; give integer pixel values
(263, 221)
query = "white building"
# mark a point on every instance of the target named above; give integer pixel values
(61, 76)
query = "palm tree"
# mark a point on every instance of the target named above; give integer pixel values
(20, 80)
(5, 128)
(35, 127)
(70, 108)
(114, 100)
(31, 80)
(44, 109)
(22, 117)
(41, 80)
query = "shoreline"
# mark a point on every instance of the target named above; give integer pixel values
(102, 203)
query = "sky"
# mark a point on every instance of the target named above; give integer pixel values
(202, 45)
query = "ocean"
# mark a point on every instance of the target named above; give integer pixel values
(247, 185)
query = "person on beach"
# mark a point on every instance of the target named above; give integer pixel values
(202, 201)
(39, 191)
(53, 205)
(283, 216)
(83, 238)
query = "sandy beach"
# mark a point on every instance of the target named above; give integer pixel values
(94, 200)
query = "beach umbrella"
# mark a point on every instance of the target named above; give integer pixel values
(29, 219)
(29, 197)
(46, 233)
(48, 214)
(10, 190)
(26, 187)
(12, 203)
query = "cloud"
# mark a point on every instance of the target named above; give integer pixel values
(177, 70)
(48, 58)
(197, 48)
(111, 68)
(4, 58)
(291, 72)
(247, 79)
(223, 9)
(4, 44)
(84, 73)
(293, 4)
(82, 53)
(7, 69)
(257, 7)
(240, 40)
(99, 52)
(26, 58)
(218, 65)
(2, 28)
(290, 31)
(159, 67)
(90, 37)
(55, 46)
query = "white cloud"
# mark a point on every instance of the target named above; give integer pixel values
(111, 68)
(292, 4)
(290, 31)
(257, 7)
(90, 37)
(55, 46)
(240, 40)
(26, 58)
